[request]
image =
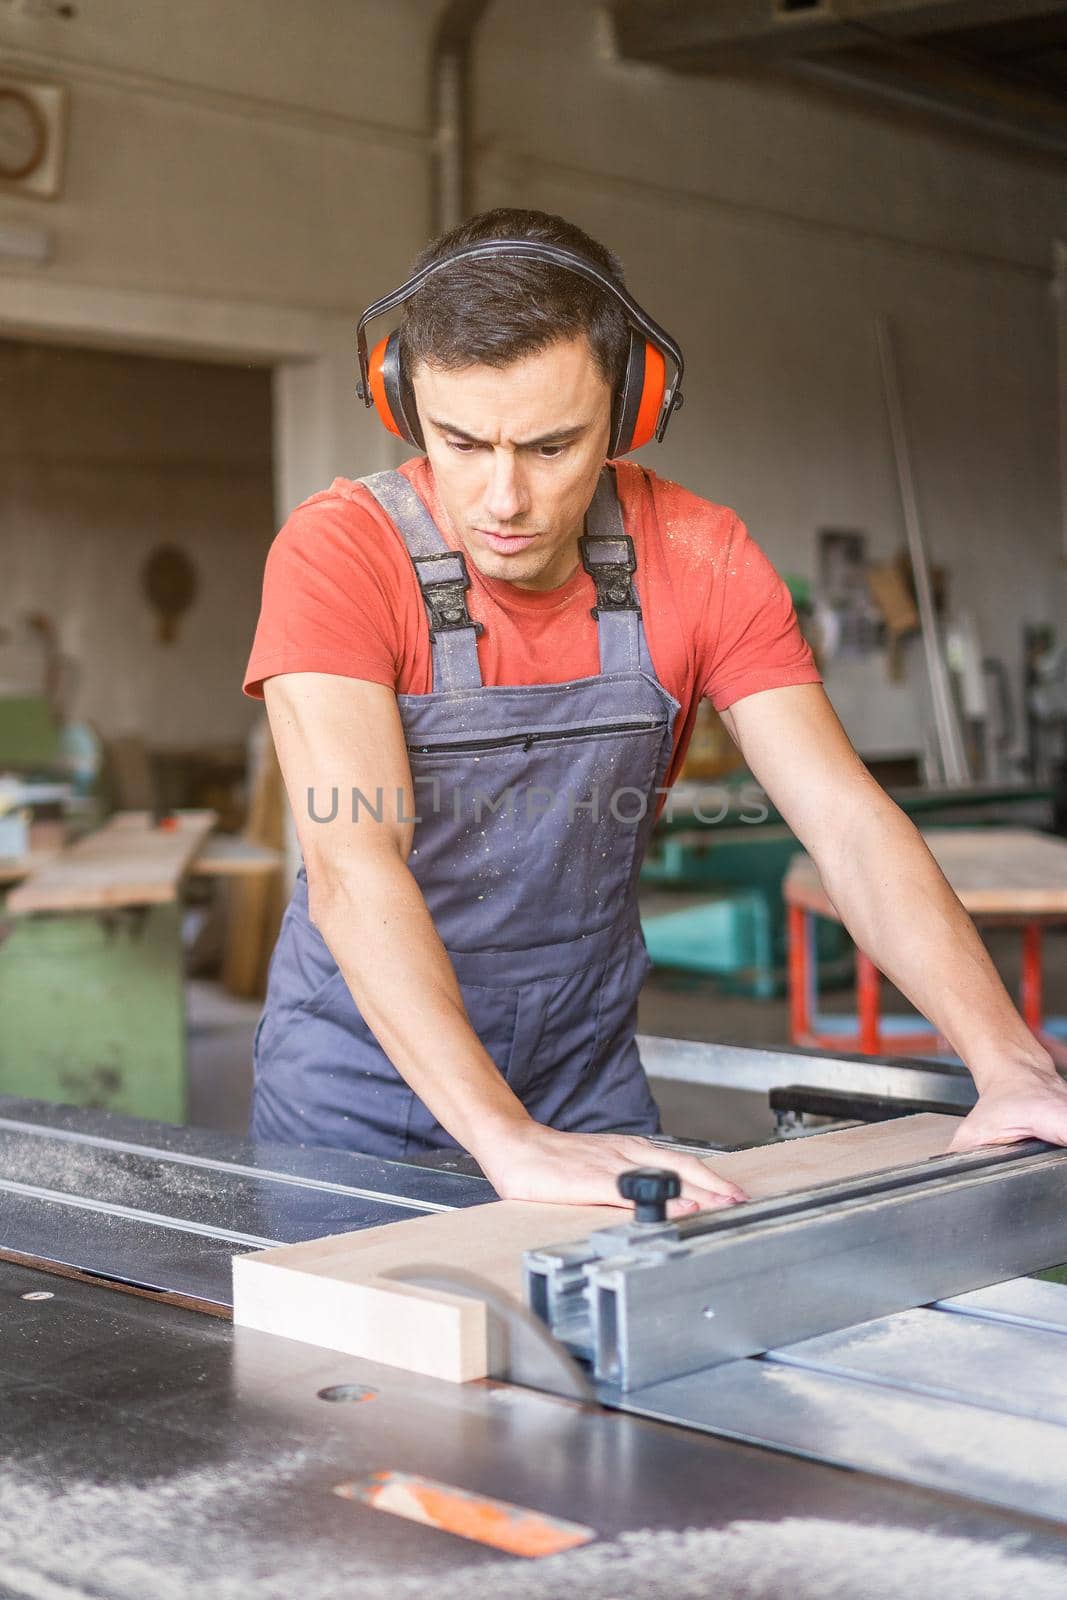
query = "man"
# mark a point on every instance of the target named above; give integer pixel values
(481, 673)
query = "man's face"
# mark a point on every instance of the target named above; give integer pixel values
(516, 452)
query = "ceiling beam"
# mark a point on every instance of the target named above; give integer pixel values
(726, 33)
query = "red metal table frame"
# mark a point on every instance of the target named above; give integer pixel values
(1023, 904)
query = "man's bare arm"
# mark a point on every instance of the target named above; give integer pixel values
(341, 733)
(895, 901)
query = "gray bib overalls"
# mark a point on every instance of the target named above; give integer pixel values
(535, 804)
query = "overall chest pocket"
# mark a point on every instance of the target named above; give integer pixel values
(531, 837)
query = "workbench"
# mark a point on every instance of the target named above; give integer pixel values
(728, 839)
(1009, 878)
(92, 983)
(151, 1448)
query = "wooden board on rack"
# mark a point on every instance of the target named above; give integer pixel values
(256, 903)
(13, 869)
(130, 861)
(332, 1291)
(225, 855)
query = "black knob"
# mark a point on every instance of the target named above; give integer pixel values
(650, 1188)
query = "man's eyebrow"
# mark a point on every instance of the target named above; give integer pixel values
(558, 435)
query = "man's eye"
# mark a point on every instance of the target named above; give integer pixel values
(464, 446)
(551, 452)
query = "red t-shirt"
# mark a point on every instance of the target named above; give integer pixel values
(340, 596)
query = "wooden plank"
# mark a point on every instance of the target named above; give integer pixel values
(225, 855)
(994, 871)
(1010, 870)
(332, 1291)
(255, 905)
(59, 1269)
(128, 862)
(13, 869)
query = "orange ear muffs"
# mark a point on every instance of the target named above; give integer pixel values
(643, 406)
(637, 409)
(390, 395)
(639, 403)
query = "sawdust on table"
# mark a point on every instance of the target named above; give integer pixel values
(209, 1532)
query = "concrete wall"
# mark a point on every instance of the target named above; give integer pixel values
(235, 148)
(241, 176)
(244, 174)
(766, 225)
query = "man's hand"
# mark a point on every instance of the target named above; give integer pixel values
(580, 1169)
(1025, 1106)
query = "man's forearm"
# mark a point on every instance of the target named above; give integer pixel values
(382, 937)
(898, 907)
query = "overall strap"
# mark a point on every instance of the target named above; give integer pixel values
(443, 580)
(608, 556)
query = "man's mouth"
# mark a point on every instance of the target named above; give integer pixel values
(506, 544)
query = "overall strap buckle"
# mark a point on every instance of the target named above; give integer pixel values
(611, 563)
(446, 597)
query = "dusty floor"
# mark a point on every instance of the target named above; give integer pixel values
(675, 1005)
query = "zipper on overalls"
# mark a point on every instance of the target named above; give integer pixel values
(526, 741)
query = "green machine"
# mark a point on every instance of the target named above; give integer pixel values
(92, 1009)
(92, 999)
(30, 736)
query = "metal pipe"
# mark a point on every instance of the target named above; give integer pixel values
(954, 766)
(450, 74)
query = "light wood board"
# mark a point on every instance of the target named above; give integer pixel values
(14, 868)
(128, 862)
(331, 1291)
(994, 871)
(225, 855)
(255, 905)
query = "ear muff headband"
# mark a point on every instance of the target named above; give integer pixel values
(643, 405)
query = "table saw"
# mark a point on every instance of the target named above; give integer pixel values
(152, 1448)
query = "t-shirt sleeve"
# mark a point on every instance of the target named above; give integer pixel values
(324, 605)
(757, 643)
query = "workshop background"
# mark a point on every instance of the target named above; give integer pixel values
(194, 209)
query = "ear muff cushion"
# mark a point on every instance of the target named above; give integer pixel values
(628, 399)
(640, 400)
(393, 401)
(651, 402)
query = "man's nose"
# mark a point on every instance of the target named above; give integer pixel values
(505, 495)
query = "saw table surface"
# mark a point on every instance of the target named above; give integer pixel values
(152, 1450)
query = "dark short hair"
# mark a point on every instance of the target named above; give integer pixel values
(495, 312)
